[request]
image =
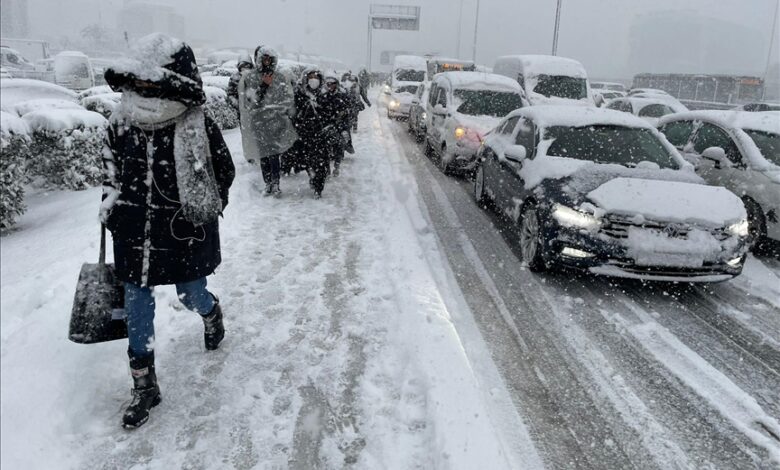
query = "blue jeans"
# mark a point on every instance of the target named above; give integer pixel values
(139, 308)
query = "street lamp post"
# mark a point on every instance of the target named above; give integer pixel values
(476, 28)
(557, 26)
(460, 23)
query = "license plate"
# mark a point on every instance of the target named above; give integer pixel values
(668, 259)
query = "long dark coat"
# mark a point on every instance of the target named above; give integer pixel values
(153, 243)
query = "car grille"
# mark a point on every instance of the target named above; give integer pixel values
(617, 227)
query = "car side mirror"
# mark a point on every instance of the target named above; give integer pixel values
(516, 153)
(717, 155)
(439, 109)
(415, 101)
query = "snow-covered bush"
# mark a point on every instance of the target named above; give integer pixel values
(217, 81)
(218, 108)
(29, 106)
(66, 147)
(14, 149)
(95, 90)
(104, 103)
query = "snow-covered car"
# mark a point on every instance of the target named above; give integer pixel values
(547, 79)
(652, 91)
(669, 100)
(758, 107)
(603, 96)
(16, 90)
(73, 70)
(461, 108)
(14, 63)
(417, 113)
(400, 101)
(608, 86)
(649, 109)
(740, 151)
(603, 191)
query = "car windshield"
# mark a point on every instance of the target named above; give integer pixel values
(409, 75)
(562, 86)
(487, 103)
(407, 89)
(768, 143)
(609, 144)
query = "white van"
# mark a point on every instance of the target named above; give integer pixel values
(72, 69)
(548, 79)
(462, 107)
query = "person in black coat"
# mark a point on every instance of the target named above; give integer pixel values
(311, 124)
(335, 104)
(167, 175)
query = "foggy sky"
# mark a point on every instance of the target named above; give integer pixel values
(596, 32)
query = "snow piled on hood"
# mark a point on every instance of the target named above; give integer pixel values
(148, 56)
(669, 201)
(44, 103)
(551, 116)
(480, 81)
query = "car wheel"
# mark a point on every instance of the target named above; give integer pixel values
(757, 239)
(409, 127)
(532, 239)
(479, 187)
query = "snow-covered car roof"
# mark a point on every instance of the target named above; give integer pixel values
(23, 107)
(550, 65)
(658, 91)
(766, 121)
(16, 90)
(604, 85)
(72, 54)
(411, 62)
(551, 115)
(479, 81)
(670, 100)
(639, 103)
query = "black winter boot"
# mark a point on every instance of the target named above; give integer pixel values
(213, 328)
(146, 392)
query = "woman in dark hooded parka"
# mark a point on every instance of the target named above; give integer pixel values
(311, 124)
(167, 175)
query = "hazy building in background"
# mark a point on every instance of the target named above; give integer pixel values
(14, 19)
(139, 18)
(686, 42)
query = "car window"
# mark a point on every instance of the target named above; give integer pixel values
(521, 80)
(509, 125)
(655, 111)
(562, 86)
(525, 135)
(432, 94)
(678, 132)
(486, 102)
(442, 97)
(768, 144)
(616, 105)
(710, 135)
(625, 146)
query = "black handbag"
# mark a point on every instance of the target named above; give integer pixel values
(98, 305)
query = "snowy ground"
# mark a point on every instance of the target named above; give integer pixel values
(340, 352)
(389, 325)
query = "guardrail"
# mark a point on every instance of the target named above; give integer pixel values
(699, 105)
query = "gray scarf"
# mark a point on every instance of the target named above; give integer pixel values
(198, 191)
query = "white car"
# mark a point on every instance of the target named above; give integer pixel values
(652, 91)
(16, 90)
(400, 100)
(602, 97)
(649, 109)
(608, 86)
(603, 191)
(462, 107)
(741, 151)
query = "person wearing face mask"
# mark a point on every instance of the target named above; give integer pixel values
(266, 109)
(244, 64)
(312, 123)
(335, 104)
(167, 172)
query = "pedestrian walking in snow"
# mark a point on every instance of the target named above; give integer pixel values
(244, 64)
(358, 97)
(335, 106)
(167, 175)
(266, 108)
(312, 125)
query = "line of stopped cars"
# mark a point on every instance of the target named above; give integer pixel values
(639, 188)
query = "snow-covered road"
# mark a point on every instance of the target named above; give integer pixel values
(389, 325)
(341, 349)
(610, 373)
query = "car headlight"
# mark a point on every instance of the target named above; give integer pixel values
(424, 115)
(569, 217)
(394, 103)
(739, 229)
(459, 132)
